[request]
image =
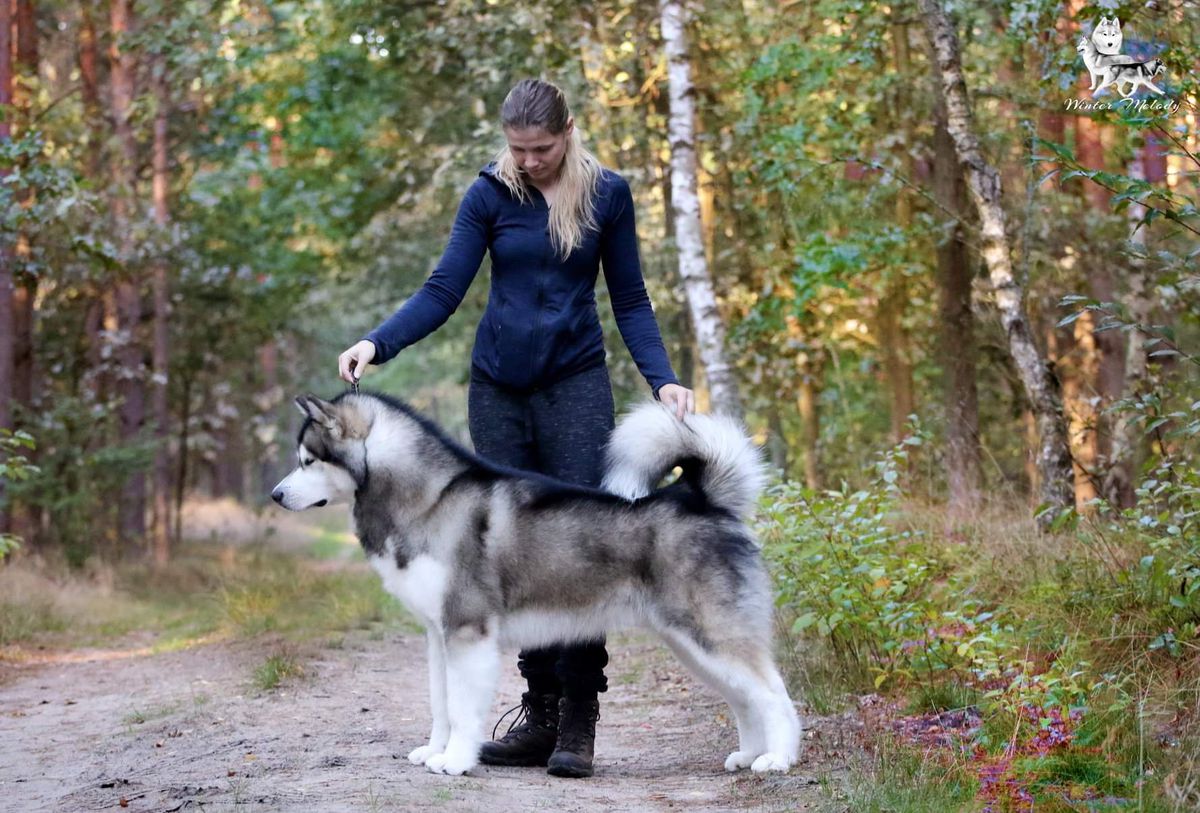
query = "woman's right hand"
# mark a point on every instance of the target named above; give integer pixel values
(353, 362)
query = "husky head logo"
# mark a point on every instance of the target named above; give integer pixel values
(1107, 36)
(330, 454)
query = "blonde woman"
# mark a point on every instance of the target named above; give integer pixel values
(539, 397)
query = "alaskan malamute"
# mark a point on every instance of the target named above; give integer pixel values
(487, 556)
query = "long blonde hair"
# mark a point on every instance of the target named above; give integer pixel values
(534, 103)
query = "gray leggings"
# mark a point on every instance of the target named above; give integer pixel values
(559, 431)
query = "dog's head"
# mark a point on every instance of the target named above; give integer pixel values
(1107, 36)
(330, 453)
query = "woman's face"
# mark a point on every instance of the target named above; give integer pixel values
(538, 153)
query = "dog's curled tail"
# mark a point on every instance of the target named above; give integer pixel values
(713, 451)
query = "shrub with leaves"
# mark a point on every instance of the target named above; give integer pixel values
(846, 572)
(14, 468)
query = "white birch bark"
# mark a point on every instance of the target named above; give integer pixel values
(693, 267)
(1053, 454)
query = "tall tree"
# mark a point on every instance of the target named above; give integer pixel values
(894, 345)
(956, 320)
(693, 267)
(1148, 164)
(6, 255)
(25, 282)
(161, 479)
(132, 508)
(1054, 458)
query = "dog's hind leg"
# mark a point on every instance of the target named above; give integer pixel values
(768, 728)
(783, 724)
(440, 732)
(751, 728)
(472, 663)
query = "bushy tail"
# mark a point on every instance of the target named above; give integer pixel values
(650, 441)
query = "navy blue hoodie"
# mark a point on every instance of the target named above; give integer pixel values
(540, 325)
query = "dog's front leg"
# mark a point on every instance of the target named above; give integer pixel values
(440, 732)
(472, 661)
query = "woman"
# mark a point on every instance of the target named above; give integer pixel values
(539, 397)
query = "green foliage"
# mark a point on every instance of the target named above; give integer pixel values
(78, 472)
(14, 468)
(1068, 656)
(846, 573)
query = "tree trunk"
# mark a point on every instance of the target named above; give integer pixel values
(161, 480)
(893, 345)
(6, 256)
(889, 315)
(26, 284)
(89, 78)
(806, 404)
(1109, 366)
(24, 520)
(1054, 458)
(693, 268)
(1126, 434)
(956, 336)
(181, 469)
(132, 508)
(1078, 367)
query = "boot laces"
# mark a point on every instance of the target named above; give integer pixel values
(526, 707)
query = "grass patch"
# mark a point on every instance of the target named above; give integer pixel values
(901, 779)
(138, 716)
(276, 669)
(333, 545)
(208, 591)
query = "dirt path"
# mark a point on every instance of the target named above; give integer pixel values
(187, 731)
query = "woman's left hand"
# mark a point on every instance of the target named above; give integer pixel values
(679, 398)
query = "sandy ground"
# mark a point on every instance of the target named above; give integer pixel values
(130, 729)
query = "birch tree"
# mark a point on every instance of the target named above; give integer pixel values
(983, 181)
(685, 202)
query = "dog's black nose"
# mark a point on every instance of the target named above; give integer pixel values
(277, 496)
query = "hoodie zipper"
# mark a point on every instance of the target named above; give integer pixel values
(537, 314)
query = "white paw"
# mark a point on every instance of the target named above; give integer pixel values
(418, 756)
(449, 764)
(769, 762)
(738, 760)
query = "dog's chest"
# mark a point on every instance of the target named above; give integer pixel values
(420, 586)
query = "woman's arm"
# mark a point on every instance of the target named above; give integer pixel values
(427, 309)
(627, 290)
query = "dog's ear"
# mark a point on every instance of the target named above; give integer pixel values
(342, 420)
(320, 411)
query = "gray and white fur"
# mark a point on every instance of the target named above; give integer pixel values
(487, 556)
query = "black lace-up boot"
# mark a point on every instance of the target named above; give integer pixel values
(531, 737)
(572, 755)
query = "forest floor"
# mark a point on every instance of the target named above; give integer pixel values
(130, 726)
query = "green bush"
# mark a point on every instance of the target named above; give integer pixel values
(14, 468)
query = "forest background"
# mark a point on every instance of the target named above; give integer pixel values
(974, 372)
